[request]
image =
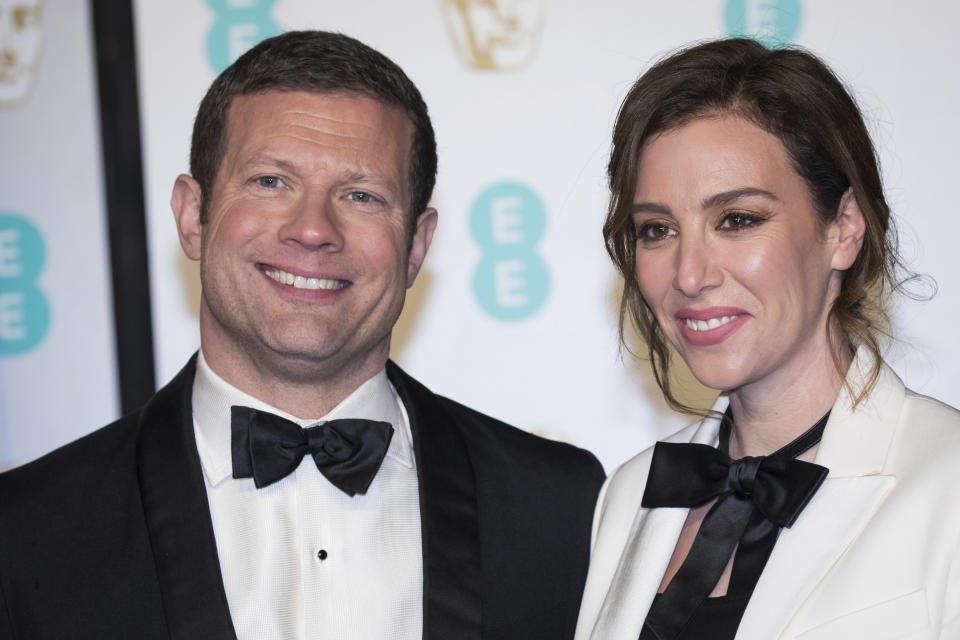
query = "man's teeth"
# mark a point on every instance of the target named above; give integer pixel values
(299, 282)
(706, 325)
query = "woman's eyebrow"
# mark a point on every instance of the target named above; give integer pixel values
(726, 197)
(649, 207)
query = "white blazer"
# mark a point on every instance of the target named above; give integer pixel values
(875, 555)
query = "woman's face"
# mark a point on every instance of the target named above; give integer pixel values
(730, 256)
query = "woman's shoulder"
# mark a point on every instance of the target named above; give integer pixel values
(936, 413)
(623, 490)
(927, 436)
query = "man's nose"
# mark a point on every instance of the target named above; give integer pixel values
(696, 267)
(314, 224)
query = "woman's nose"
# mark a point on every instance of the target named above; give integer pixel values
(696, 268)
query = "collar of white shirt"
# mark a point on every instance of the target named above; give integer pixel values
(375, 399)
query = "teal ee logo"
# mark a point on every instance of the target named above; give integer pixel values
(507, 221)
(772, 22)
(24, 312)
(239, 24)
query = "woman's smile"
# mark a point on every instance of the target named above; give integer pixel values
(730, 254)
(713, 325)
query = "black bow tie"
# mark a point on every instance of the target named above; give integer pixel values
(756, 497)
(267, 448)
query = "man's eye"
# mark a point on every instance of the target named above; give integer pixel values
(270, 182)
(360, 196)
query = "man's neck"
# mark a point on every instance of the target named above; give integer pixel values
(297, 388)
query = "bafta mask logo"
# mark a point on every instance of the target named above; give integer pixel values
(20, 39)
(494, 35)
(772, 22)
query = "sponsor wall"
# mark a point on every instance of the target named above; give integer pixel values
(57, 366)
(515, 311)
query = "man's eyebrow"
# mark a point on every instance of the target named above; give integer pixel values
(279, 163)
(727, 197)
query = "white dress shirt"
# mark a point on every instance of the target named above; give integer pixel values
(270, 540)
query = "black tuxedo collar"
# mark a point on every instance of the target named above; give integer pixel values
(449, 515)
(178, 516)
(184, 547)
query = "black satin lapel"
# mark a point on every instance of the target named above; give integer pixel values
(449, 516)
(178, 516)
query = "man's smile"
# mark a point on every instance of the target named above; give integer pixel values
(302, 282)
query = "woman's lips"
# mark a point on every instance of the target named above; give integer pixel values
(705, 327)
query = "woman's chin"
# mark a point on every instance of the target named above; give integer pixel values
(716, 376)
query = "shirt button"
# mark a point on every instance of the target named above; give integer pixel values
(322, 554)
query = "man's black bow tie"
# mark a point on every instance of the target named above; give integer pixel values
(756, 497)
(267, 448)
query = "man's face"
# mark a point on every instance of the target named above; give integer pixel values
(303, 259)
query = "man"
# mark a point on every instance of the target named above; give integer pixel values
(291, 482)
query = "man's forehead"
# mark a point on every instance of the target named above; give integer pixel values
(297, 119)
(309, 129)
(349, 108)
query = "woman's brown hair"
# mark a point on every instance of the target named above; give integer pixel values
(792, 94)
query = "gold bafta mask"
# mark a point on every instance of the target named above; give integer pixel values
(494, 35)
(20, 38)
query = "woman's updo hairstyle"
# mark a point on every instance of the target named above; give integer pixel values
(793, 95)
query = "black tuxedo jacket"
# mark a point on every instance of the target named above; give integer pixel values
(110, 536)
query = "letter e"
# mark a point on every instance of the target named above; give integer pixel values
(510, 283)
(10, 265)
(505, 216)
(11, 317)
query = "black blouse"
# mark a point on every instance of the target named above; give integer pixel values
(719, 618)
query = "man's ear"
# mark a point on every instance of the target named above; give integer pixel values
(185, 202)
(422, 236)
(848, 229)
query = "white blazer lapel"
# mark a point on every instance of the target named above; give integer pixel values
(854, 447)
(638, 575)
(805, 553)
(645, 557)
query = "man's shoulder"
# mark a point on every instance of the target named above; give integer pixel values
(482, 425)
(488, 437)
(74, 468)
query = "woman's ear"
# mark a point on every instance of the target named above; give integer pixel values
(847, 232)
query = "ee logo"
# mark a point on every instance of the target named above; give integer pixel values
(507, 220)
(772, 22)
(239, 24)
(24, 312)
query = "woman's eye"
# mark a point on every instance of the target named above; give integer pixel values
(739, 220)
(652, 231)
(269, 182)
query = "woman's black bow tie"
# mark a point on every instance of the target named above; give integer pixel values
(756, 497)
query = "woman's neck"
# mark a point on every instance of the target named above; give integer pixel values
(771, 413)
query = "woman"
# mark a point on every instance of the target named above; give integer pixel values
(818, 498)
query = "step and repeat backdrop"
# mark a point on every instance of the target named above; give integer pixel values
(515, 312)
(57, 364)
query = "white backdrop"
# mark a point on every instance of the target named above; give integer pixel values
(523, 129)
(57, 364)
(515, 311)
